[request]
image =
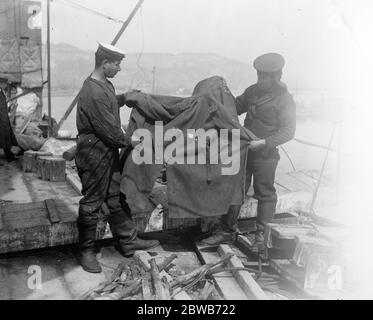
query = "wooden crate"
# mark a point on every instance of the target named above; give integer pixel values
(49, 223)
(51, 168)
(30, 160)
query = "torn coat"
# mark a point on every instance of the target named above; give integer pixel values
(193, 190)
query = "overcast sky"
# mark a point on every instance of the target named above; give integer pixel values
(319, 38)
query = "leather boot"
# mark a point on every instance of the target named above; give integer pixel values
(128, 248)
(266, 211)
(122, 228)
(220, 237)
(227, 231)
(256, 240)
(87, 237)
(9, 155)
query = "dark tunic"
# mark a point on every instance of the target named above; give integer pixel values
(270, 116)
(99, 137)
(7, 137)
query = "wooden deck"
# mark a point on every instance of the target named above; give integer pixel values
(63, 278)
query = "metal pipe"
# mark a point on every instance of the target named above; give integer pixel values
(314, 197)
(49, 69)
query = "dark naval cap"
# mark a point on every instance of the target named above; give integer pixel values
(110, 52)
(269, 62)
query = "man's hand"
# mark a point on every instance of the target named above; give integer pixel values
(135, 140)
(257, 144)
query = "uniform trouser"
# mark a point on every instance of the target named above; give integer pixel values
(8, 153)
(104, 190)
(261, 170)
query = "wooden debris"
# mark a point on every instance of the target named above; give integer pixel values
(166, 287)
(207, 290)
(167, 261)
(146, 289)
(200, 272)
(182, 295)
(164, 274)
(225, 282)
(159, 289)
(244, 278)
(142, 257)
(132, 281)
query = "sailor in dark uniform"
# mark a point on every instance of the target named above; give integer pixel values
(99, 137)
(271, 117)
(7, 137)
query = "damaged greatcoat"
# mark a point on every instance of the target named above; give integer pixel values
(193, 190)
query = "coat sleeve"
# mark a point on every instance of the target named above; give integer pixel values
(121, 99)
(242, 103)
(287, 122)
(105, 125)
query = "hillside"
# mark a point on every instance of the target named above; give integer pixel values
(174, 73)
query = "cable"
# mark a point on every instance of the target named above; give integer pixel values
(288, 156)
(81, 7)
(313, 144)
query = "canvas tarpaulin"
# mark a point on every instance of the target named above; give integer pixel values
(193, 190)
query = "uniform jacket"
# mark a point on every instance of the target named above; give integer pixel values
(98, 122)
(270, 116)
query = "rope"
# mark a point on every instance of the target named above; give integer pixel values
(81, 7)
(288, 156)
(313, 144)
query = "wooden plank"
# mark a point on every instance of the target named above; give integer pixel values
(142, 258)
(29, 226)
(244, 278)
(52, 211)
(225, 282)
(146, 289)
(289, 271)
(287, 231)
(74, 181)
(41, 190)
(12, 188)
(159, 289)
